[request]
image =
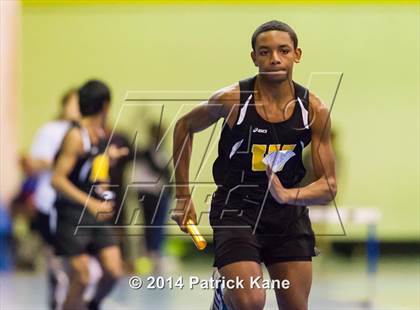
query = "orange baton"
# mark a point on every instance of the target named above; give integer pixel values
(198, 239)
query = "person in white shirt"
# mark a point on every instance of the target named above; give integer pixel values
(45, 145)
(39, 162)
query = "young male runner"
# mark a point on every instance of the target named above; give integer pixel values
(80, 175)
(258, 212)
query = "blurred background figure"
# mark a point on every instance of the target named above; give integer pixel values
(6, 259)
(23, 213)
(118, 186)
(37, 166)
(151, 174)
(85, 201)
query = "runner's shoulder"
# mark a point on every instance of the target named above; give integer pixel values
(228, 95)
(316, 104)
(229, 98)
(73, 139)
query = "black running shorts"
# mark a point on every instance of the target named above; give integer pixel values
(89, 237)
(245, 230)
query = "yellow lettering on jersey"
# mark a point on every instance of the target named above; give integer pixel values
(259, 150)
(288, 147)
(100, 169)
(274, 148)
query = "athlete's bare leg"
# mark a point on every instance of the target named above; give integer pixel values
(246, 298)
(300, 276)
(79, 279)
(111, 263)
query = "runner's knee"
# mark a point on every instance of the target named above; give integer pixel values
(249, 299)
(80, 271)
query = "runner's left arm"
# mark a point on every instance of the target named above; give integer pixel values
(324, 189)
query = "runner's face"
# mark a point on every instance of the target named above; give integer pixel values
(275, 55)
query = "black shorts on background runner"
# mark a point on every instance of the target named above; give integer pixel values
(41, 223)
(92, 239)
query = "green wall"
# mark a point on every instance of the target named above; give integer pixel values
(203, 48)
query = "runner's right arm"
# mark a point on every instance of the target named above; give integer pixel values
(71, 149)
(222, 104)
